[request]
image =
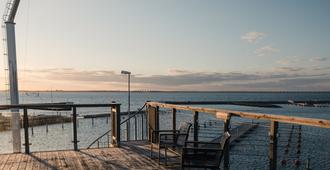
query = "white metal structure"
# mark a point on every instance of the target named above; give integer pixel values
(8, 18)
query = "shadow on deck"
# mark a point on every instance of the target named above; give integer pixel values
(131, 155)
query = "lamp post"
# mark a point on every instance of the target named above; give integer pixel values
(129, 101)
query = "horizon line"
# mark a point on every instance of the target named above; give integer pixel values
(181, 91)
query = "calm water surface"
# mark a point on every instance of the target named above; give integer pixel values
(59, 136)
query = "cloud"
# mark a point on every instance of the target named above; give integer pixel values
(321, 68)
(290, 84)
(318, 59)
(289, 69)
(72, 79)
(252, 37)
(265, 50)
(178, 71)
(288, 60)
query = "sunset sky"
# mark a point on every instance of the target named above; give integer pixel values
(173, 45)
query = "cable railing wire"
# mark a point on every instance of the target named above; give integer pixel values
(124, 121)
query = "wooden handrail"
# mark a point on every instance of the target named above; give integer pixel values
(56, 105)
(223, 114)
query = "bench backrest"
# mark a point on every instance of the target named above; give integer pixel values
(224, 140)
(183, 135)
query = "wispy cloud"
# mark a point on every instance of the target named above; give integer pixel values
(321, 68)
(318, 59)
(175, 71)
(289, 69)
(290, 84)
(252, 37)
(288, 60)
(265, 50)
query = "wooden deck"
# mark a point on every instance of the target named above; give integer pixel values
(132, 155)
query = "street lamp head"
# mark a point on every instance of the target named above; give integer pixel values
(125, 72)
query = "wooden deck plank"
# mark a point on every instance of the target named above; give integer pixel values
(94, 155)
(29, 163)
(61, 158)
(136, 157)
(23, 162)
(43, 160)
(35, 163)
(3, 161)
(90, 161)
(52, 156)
(83, 161)
(106, 162)
(58, 160)
(10, 161)
(77, 162)
(68, 160)
(16, 162)
(129, 156)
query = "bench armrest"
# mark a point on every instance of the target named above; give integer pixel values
(199, 142)
(161, 131)
(203, 143)
(185, 149)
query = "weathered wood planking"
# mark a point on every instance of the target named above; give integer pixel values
(220, 113)
(130, 156)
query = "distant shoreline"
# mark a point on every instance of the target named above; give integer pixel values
(156, 91)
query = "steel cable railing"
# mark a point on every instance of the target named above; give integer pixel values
(124, 121)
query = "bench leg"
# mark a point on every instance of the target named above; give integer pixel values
(158, 155)
(165, 156)
(151, 150)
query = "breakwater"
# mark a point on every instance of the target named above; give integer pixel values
(39, 120)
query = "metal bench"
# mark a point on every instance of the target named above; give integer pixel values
(204, 154)
(174, 139)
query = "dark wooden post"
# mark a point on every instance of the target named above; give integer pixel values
(115, 117)
(26, 131)
(195, 126)
(174, 119)
(273, 145)
(226, 149)
(153, 121)
(74, 121)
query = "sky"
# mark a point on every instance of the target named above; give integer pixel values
(202, 45)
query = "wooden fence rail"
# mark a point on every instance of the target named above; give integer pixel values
(226, 115)
(223, 114)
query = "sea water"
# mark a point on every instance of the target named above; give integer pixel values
(315, 144)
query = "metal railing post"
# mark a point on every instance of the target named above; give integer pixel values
(135, 126)
(173, 119)
(142, 134)
(26, 131)
(74, 120)
(195, 126)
